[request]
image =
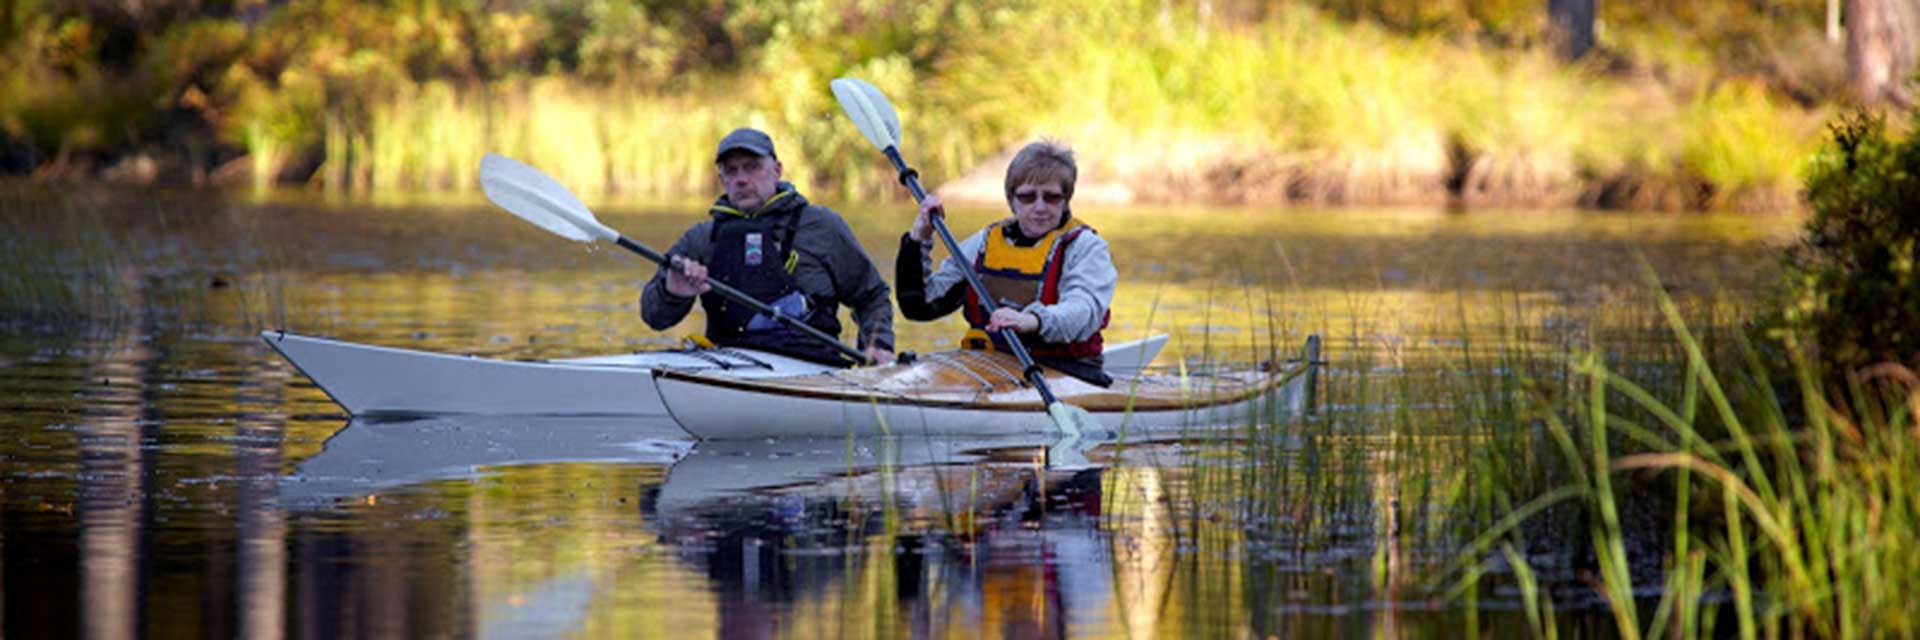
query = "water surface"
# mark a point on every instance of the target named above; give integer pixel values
(165, 473)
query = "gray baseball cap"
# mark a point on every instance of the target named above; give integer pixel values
(747, 139)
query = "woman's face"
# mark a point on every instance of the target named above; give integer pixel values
(1038, 206)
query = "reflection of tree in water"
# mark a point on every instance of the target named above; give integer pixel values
(987, 547)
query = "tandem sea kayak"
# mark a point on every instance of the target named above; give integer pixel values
(369, 380)
(980, 393)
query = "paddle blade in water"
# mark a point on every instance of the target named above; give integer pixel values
(869, 109)
(1073, 421)
(526, 192)
(1069, 453)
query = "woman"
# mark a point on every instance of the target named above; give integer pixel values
(1050, 274)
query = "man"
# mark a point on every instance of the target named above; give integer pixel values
(766, 240)
(1051, 276)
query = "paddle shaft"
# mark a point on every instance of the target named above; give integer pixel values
(736, 295)
(911, 179)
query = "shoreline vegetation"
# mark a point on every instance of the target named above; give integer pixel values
(1330, 102)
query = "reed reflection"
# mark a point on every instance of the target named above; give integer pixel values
(262, 526)
(113, 472)
(1135, 504)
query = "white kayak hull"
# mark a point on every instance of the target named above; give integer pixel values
(710, 407)
(369, 380)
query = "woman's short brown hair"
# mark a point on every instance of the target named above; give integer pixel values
(1040, 162)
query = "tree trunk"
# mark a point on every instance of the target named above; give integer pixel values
(1880, 50)
(1833, 21)
(1570, 26)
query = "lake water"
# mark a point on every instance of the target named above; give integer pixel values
(164, 473)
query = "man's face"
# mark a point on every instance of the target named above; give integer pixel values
(1038, 206)
(749, 179)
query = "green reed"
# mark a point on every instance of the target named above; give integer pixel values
(1794, 517)
(58, 260)
(1530, 439)
(95, 259)
(1775, 506)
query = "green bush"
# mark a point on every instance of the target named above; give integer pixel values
(1851, 285)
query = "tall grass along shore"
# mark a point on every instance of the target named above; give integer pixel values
(1165, 101)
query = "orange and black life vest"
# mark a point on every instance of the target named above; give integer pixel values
(1017, 276)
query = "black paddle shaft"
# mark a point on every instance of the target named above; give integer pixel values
(911, 179)
(736, 295)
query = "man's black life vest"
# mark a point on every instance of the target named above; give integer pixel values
(755, 254)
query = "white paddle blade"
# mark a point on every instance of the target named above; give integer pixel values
(526, 192)
(1072, 421)
(1069, 453)
(870, 111)
(889, 119)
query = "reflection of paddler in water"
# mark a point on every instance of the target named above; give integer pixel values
(925, 478)
(757, 515)
(762, 514)
(1051, 275)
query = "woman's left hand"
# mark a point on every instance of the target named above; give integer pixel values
(922, 231)
(1015, 319)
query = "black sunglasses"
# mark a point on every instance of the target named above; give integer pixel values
(1026, 197)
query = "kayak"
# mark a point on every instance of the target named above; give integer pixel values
(369, 380)
(979, 393)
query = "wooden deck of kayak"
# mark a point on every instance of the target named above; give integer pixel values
(992, 381)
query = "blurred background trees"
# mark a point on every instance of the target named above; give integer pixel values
(1662, 103)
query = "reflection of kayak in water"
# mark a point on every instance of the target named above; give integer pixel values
(371, 455)
(955, 533)
(724, 471)
(784, 531)
(373, 380)
(978, 393)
